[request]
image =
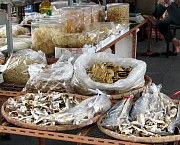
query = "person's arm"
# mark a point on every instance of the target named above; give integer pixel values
(165, 3)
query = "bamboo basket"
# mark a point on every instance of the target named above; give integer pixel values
(151, 139)
(47, 127)
(123, 94)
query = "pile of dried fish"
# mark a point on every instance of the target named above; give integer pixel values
(107, 72)
(154, 114)
(55, 108)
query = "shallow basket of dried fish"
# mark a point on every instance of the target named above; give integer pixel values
(151, 139)
(47, 127)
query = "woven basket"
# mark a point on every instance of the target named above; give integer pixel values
(162, 139)
(47, 127)
(148, 82)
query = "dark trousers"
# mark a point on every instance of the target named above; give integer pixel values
(164, 24)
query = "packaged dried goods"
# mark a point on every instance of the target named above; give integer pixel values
(83, 84)
(42, 32)
(75, 40)
(95, 12)
(18, 64)
(87, 13)
(16, 30)
(55, 77)
(67, 23)
(118, 13)
(2, 58)
(75, 12)
(105, 29)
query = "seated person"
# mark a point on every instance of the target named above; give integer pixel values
(173, 9)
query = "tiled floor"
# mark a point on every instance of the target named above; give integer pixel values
(162, 70)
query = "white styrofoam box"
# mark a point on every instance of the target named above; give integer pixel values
(123, 48)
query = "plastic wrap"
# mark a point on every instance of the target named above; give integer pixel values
(82, 82)
(55, 77)
(75, 40)
(16, 30)
(18, 64)
(75, 12)
(87, 13)
(118, 13)
(18, 44)
(95, 12)
(151, 101)
(84, 111)
(42, 32)
(31, 17)
(111, 119)
(105, 29)
(2, 58)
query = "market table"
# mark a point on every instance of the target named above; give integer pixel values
(87, 135)
(132, 31)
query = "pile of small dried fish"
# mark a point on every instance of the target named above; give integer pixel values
(107, 72)
(55, 108)
(154, 114)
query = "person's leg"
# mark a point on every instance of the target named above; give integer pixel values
(163, 29)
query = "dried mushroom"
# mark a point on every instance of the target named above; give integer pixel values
(107, 72)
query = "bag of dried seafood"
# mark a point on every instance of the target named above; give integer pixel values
(55, 77)
(18, 64)
(107, 72)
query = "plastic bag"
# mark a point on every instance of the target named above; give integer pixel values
(105, 29)
(2, 58)
(75, 40)
(16, 30)
(82, 82)
(18, 64)
(111, 119)
(84, 111)
(55, 77)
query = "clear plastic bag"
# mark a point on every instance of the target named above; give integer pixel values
(75, 12)
(16, 30)
(18, 64)
(75, 40)
(105, 29)
(55, 77)
(2, 58)
(82, 82)
(118, 13)
(118, 115)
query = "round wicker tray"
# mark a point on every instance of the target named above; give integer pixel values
(162, 139)
(148, 82)
(46, 127)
